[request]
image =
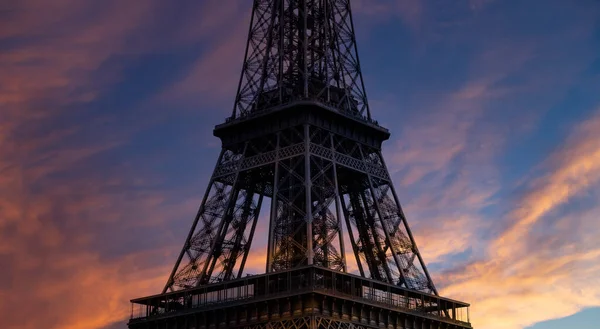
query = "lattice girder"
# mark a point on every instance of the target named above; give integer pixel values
(300, 139)
(301, 49)
(318, 183)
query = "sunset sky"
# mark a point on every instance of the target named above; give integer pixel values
(106, 116)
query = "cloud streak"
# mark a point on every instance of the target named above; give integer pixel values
(71, 206)
(521, 283)
(106, 110)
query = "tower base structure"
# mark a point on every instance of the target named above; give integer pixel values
(309, 297)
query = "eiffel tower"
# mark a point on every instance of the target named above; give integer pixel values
(300, 137)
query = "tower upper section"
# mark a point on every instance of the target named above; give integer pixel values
(301, 50)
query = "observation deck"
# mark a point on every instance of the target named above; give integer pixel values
(301, 292)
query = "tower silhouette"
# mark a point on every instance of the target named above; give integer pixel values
(301, 136)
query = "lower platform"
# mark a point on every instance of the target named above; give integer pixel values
(308, 297)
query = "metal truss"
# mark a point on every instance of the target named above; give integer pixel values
(308, 323)
(305, 228)
(374, 169)
(300, 135)
(301, 49)
(381, 239)
(315, 179)
(318, 180)
(222, 230)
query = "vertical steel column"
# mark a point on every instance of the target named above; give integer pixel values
(281, 52)
(351, 235)
(304, 55)
(273, 215)
(381, 219)
(308, 192)
(224, 220)
(408, 231)
(239, 88)
(362, 82)
(375, 234)
(221, 233)
(327, 52)
(338, 212)
(266, 59)
(251, 235)
(186, 244)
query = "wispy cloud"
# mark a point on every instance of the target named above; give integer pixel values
(444, 158)
(99, 180)
(512, 256)
(573, 169)
(213, 77)
(70, 205)
(520, 283)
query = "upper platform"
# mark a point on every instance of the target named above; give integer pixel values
(298, 112)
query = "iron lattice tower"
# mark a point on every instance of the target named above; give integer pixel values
(301, 135)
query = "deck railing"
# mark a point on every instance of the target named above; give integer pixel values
(295, 282)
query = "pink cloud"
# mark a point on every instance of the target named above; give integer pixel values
(59, 205)
(214, 76)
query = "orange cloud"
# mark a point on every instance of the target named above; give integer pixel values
(446, 166)
(74, 242)
(520, 283)
(518, 278)
(577, 168)
(62, 209)
(55, 247)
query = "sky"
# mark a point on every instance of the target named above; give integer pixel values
(106, 116)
